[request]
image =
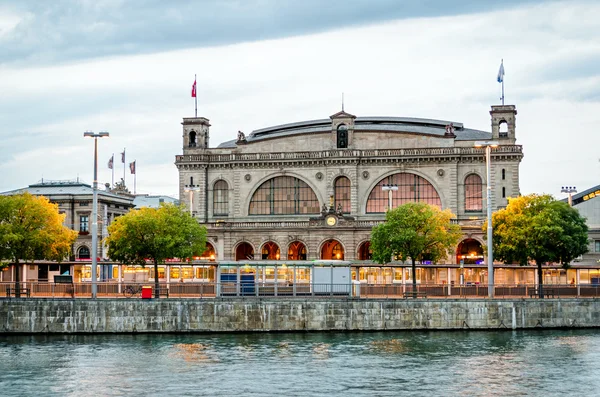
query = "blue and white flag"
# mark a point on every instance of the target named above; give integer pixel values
(501, 72)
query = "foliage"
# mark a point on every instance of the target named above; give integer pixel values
(31, 228)
(417, 231)
(538, 228)
(155, 234)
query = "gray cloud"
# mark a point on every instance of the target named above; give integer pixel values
(63, 30)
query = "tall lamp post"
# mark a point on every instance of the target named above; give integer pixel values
(90, 134)
(569, 190)
(389, 189)
(488, 150)
(191, 189)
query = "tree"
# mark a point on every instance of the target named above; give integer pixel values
(31, 228)
(155, 234)
(538, 228)
(417, 231)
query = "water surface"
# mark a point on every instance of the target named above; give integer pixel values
(508, 363)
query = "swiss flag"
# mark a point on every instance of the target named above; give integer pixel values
(194, 89)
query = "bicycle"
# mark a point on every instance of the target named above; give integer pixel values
(132, 290)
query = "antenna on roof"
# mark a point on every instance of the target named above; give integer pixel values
(342, 101)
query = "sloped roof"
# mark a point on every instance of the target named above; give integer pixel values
(55, 188)
(390, 124)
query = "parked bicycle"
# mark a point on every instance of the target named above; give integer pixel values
(132, 290)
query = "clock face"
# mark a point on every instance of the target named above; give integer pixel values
(331, 220)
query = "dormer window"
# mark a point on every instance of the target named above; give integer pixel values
(342, 136)
(193, 139)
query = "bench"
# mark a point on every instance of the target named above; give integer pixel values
(546, 292)
(415, 294)
(13, 291)
(68, 280)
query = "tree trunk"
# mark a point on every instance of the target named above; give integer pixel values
(540, 280)
(414, 278)
(17, 280)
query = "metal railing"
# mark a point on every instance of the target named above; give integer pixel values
(247, 289)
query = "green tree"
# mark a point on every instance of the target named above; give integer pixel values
(155, 234)
(417, 231)
(31, 228)
(538, 228)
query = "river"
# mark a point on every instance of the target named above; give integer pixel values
(462, 363)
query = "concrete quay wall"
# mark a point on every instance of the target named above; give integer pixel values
(257, 315)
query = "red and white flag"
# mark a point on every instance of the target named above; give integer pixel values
(132, 167)
(194, 89)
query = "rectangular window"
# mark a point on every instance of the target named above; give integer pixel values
(84, 223)
(503, 192)
(597, 244)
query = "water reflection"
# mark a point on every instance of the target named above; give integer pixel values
(304, 364)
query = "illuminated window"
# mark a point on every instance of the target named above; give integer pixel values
(473, 193)
(342, 194)
(284, 195)
(221, 198)
(411, 188)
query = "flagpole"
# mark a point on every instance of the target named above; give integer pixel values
(502, 62)
(113, 172)
(134, 177)
(195, 98)
(124, 163)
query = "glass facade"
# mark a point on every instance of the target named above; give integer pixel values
(284, 195)
(411, 188)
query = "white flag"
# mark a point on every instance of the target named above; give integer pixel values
(501, 73)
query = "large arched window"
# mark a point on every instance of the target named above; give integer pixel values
(284, 195)
(221, 198)
(411, 188)
(296, 251)
(342, 194)
(473, 193)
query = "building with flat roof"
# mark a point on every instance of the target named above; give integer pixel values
(314, 189)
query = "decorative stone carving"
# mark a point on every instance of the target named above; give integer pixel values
(319, 176)
(247, 177)
(365, 174)
(440, 172)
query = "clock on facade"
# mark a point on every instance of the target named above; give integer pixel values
(331, 220)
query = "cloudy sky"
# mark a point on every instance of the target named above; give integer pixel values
(127, 67)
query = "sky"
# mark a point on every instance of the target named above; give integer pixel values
(127, 68)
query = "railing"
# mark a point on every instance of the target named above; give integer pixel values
(347, 153)
(247, 289)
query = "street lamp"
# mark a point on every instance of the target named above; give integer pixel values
(569, 190)
(191, 189)
(488, 150)
(90, 134)
(389, 189)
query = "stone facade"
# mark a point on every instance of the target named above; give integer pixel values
(251, 315)
(366, 150)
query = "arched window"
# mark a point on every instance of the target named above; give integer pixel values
(221, 198)
(193, 139)
(208, 254)
(284, 195)
(332, 249)
(270, 250)
(342, 194)
(243, 252)
(503, 129)
(411, 188)
(342, 136)
(364, 251)
(83, 253)
(296, 251)
(473, 193)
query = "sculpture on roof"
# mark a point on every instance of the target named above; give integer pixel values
(450, 130)
(241, 137)
(120, 187)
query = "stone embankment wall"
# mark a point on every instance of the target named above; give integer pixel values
(250, 315)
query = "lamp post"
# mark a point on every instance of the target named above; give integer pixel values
(488, 150)
(191, 189)
(569, 190)
(90, 134)
(389, 189)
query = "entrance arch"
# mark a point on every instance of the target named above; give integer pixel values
(270, 250)
(364, 251)
(332, 249)
(470, 251)
(209, 253)
(244, 252)
(296, 251)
